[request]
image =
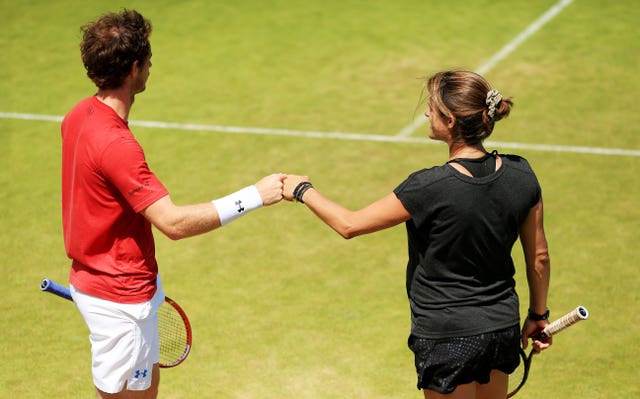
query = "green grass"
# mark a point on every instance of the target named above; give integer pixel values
(281, 306)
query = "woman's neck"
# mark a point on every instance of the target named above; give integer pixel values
(462, 150)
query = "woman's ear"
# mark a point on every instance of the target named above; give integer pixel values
(451, 122)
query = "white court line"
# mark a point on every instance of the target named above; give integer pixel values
(335, 135)
(499, 56)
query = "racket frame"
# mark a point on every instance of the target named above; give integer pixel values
(526, 361)
(187, 326)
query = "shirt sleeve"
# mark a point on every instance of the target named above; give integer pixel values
(405, 193)
(124, 165)
(415, 192)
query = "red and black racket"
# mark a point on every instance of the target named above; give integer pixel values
(174, 329)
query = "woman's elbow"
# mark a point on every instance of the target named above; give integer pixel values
(541, 262)
(347, 235)
(543, 259)
(348, 232)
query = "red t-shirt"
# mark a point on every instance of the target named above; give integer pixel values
(106, 182)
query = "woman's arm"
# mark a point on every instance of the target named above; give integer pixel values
(384, 213)
(536, 255)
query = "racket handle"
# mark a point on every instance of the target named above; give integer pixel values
(55, 288)
(571, 318)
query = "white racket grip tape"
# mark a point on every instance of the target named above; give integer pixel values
(571, 318)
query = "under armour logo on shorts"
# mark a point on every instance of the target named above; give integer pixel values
(139, 373)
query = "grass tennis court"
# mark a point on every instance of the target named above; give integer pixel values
(280, 305)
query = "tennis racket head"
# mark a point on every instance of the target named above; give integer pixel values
(518, 378)
(174, 332)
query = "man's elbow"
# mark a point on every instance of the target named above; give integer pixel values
(172, 232)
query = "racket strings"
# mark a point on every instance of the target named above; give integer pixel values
(174, 342)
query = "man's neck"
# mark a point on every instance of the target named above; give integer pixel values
(121, 100)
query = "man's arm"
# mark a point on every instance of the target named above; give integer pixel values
(177, 222)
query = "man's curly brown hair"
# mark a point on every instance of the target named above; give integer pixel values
(111, 44)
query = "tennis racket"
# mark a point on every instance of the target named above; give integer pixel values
(518, 378)
(174, 330)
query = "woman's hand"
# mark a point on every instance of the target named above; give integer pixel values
(532, 329)
(290, 183)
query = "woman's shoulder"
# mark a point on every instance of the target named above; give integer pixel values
(516, 161)
(433, 173)
(426, 177)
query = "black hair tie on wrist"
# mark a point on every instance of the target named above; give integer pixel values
(300, 189)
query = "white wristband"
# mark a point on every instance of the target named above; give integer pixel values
(237, 204)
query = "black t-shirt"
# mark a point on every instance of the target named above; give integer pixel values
(460, 235)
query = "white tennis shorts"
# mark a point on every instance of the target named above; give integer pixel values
(124, 340)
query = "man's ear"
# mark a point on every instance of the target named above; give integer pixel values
(134, 69)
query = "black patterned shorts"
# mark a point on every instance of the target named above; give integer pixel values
(443, 364)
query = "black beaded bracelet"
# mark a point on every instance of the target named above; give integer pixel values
(296, 189)
(300, 189)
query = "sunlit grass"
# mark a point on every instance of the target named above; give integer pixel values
(280, 305)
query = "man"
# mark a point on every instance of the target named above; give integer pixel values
(110, 199)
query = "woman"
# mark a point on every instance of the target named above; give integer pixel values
(462, 220)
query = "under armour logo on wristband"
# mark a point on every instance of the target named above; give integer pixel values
(240, 207)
